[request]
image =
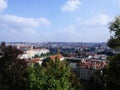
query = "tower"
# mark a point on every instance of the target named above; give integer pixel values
(58, 51)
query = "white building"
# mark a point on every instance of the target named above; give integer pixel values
(32, 52)
(24, 56)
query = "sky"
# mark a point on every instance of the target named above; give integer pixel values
(57, 20)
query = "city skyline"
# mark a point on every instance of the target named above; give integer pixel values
(57, 20)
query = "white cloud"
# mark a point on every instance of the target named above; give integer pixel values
(100, 20)
(21, 24)
(17, 28)
(71, 5)
(118, 1)
(3, 5)
(93, 29)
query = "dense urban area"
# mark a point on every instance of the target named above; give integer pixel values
(61, 65)
(88, 61)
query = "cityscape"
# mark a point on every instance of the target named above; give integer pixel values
(59, 45)
(84, 59)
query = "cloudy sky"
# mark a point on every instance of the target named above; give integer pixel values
(57, 20)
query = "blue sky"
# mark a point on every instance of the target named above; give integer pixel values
(57, 20)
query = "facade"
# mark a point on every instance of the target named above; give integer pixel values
(32, 52)
(86, 73)
(24, 56)
(87, 68)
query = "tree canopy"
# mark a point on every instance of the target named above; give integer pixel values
(17, 74)
(12, 70)
(112, 77)
(114, 41)
(54, 76)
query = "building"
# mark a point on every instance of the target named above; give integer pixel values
(32, 52)
(36, 60)
(24, 47)
(86, 68)
(58, 56)
(23, 56)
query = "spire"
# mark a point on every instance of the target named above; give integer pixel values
(58, 51)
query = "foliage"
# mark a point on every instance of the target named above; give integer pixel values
(12, 70)
(114, 41)
(42, 55)
(110, 58)
(55, 75)
(96, 82)
(74, 81)
(112, 77)
(36, 78)
(17, 74)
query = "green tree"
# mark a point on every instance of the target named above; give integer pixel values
(114, 41)
(12, 70)
(55, 75)
(96, 82)
(112, 77)
(16, 74)
(36, 77)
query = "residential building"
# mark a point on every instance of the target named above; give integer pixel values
(86, 68)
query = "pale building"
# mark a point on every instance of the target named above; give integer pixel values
(32, 52)
(24, 56)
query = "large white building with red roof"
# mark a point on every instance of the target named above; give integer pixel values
(32, 52)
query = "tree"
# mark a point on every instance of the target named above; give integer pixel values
(36, 77)
(2, 46)
(112, 77)
(17, 74)
(55, 75)
(114, 41)
(96, 82)
(12, 70)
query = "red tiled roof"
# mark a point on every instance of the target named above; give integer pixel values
(53, 57)
(88, 64)
(34, 60)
